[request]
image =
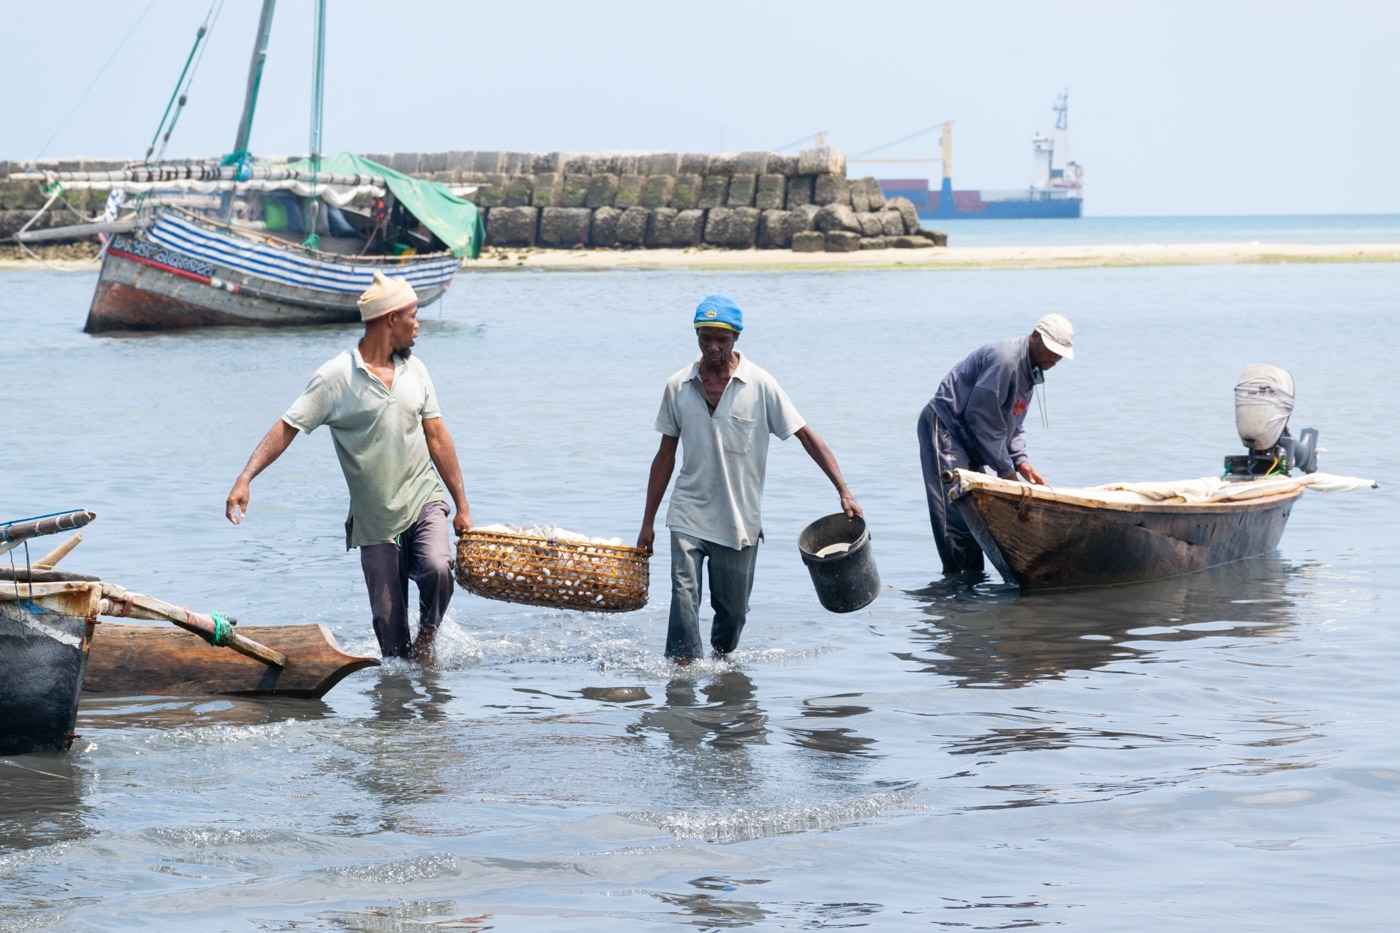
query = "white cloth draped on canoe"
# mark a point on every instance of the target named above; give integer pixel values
(1203, 489)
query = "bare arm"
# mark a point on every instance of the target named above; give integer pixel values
(444, 454)
(662, 466)
(821, 454)
(269, 449)
(1029, 474)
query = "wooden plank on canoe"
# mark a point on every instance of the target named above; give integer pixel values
(136, 660)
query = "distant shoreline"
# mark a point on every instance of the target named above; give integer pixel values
(1105, 256)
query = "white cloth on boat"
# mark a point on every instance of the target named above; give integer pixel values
(1202, 489)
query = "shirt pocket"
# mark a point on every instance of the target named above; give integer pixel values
(738, 432)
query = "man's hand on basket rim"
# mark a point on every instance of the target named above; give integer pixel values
(645, 540)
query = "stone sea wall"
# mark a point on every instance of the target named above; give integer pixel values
(765, 200)
(626, 200)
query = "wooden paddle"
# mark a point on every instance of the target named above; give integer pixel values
(51, 559)
(117, 601)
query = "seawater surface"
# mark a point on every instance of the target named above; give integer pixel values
(1212, 752)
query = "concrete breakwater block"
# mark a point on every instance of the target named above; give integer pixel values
(842, 241)
(565, 227)
(732, 227)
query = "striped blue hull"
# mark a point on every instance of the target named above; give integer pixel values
(184, 272)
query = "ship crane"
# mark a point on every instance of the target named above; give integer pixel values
(945, 156)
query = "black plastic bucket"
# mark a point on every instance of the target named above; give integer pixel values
(837, 554)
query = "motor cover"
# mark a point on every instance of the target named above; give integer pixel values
(1263, 403)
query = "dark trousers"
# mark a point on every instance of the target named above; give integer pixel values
(422, 554)
(731, 582)
(940, 451)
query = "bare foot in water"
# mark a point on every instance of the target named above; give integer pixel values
(422, 649)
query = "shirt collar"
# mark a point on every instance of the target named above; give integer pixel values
(1027, 364)
(742, 372)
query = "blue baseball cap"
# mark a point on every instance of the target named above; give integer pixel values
(719, 311)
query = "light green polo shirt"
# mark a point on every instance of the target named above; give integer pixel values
(724, 454)
(378, 435)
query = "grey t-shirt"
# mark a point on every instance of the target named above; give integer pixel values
(724, 455)
(983, 401)
(378, 435)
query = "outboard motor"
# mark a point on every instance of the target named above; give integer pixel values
(1263, 402)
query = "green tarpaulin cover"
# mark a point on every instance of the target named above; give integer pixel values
(456, 222)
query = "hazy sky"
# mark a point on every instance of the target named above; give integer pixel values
(1224, 107)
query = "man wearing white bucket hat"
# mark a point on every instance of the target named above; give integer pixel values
(720, 411)
(976, 421)
(383, 415)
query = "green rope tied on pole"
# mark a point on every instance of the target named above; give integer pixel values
(223, 631)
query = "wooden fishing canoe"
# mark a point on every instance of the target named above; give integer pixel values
(44, 643)
(1040, 538)
(136, 660)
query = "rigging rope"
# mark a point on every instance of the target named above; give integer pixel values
(182, 94)
(96, 78)
(903, 139)
(797, 142)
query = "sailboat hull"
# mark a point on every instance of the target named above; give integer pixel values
(184, 272)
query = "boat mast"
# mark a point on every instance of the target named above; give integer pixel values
(318, 74)
(239, 157)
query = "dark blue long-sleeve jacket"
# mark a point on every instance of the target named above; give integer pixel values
(983, 400)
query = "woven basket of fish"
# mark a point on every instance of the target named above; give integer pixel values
(551, 567)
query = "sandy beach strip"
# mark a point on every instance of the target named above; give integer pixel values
(1112, 255)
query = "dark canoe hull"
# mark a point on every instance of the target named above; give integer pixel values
(184, 271)
(44, 646)
(139, 660)
(1039, 543)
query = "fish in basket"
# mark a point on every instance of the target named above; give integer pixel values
(552, 567)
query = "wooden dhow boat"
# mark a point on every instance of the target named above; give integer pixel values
(1041, 537)
(182, 270)
(55, 645)
(238, 241)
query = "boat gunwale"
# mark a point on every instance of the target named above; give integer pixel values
(1174, 504)
(288, 246)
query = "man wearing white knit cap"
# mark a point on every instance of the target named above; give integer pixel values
(975, 422)
(383, 415)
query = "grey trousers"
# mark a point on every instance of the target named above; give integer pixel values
(422, 554)
(731, 582)
(940, 451)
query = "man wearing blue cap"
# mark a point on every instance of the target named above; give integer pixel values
(720, 411)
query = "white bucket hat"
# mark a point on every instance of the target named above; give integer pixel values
(1058, 335)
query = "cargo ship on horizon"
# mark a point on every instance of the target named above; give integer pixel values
(1056, 191)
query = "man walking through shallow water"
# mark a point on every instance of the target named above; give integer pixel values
(379, 404)
(720, 411)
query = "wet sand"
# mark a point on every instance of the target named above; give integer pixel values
(953, 257)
